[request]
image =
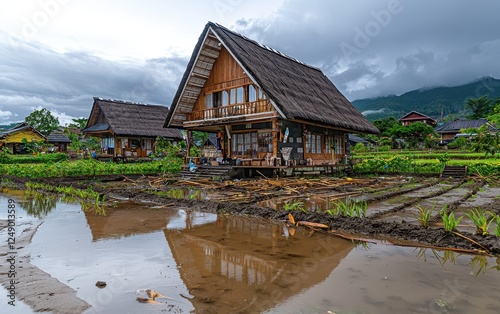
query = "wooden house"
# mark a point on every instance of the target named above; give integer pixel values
(13, 138)
(128, 129)
(450, 130)
(59, 140)
(262, 103)
(414, 116)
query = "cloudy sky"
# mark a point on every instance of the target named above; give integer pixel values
(58, 54)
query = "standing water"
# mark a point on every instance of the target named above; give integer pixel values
(208, 263)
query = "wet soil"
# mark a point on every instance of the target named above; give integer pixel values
(405, 193)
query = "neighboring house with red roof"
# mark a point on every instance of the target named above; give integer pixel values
(414, 116)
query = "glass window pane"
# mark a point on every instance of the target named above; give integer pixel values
(252, 93)
(225, 98)
(232, 96)
(208, 101)
(239, 95)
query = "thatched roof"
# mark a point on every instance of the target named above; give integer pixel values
(127, 118)
(296, 90)
(58, 136)
(457, 125)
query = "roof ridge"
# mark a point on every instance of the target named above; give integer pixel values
(125, 102)
(268, 48)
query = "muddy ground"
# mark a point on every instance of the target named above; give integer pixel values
(392, 203)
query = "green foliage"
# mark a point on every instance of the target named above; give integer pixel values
(6, 158)
(78, 123)
(458, 143)
(349, 208)
(199, 138)
(90, 167)
(43, 121)
(481, 219)
(424, 215)
(479, 107)
(359, 147)
(497, 228)
(485, 141)
(194, 151)
(34, 146)
(449, 221)
(386, 124)
(384, 148)
(294, 205)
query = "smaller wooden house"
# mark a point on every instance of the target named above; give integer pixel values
(13, 138)
(59, 140)
(128, 129)
(414, 116)
(450, 130)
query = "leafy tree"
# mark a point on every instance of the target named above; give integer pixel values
(494, 116)
(486, 141)
(199, 138)
(480, 107)
(411, 134)
(43, 121)
(385, 124)
(79, 123)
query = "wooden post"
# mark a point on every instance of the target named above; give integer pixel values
(275, 132)
(189, 135)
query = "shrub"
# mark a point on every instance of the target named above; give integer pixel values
(359, 147)
(384, 148)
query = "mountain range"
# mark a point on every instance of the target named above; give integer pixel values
(436, 102)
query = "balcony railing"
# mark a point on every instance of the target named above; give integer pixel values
(259, 106)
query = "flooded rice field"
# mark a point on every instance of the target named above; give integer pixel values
(203, 262)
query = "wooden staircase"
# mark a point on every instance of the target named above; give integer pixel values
(456, 172)
(208, 172)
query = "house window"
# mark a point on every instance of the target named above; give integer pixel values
(265, 142)
(261, 94)
(232, 96)
(240, 95)
(339, 145)
(252, 93)
(208, 101)
(225, 98)
(313, 143)
(328, 144)
(244, 144)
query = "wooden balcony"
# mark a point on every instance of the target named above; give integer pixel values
(238, 110)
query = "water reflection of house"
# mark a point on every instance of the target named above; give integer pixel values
(127, 219)
(238, 264)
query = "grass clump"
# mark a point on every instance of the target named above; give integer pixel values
(424, 215)
(349, 208)
(450, 222)
(481, 219)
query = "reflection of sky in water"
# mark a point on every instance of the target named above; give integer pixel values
(186, 219)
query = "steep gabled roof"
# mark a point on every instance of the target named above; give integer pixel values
(457, 125)
(296, 90)
(20, 127)
(418, 116)
(127, 118)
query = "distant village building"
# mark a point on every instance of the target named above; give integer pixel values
(414, 116)
(13, 138)
(128, 129)
(59, 140)
(262, 103)
(450, 131)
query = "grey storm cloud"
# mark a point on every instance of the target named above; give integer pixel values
(367, 48)
(34, 76)
(374, 48)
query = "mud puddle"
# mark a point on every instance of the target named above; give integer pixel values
(210, 263)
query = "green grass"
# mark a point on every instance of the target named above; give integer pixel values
(450, 222)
